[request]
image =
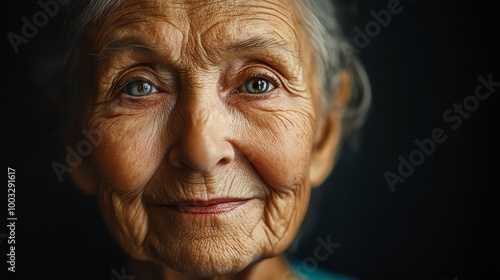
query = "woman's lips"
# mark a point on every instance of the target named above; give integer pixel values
(207, 207)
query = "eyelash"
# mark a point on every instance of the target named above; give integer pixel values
(273, 79)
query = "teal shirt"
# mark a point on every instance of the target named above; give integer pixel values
(309, 272)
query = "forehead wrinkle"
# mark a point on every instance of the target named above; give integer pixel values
(267, 43)
(110, 25)
(134, 36)
(244, 25)
(134, 18)
(222, 23)
(282, 13)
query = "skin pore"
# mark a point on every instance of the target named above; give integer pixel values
(210, 137)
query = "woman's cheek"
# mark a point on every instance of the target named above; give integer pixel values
(280, 154)
(128, 154)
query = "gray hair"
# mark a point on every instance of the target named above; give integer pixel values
(334, 54)
(331, 49)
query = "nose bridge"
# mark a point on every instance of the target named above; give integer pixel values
(199, 103)
(201, 142)
(200, 121)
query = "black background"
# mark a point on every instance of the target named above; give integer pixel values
(437, 224)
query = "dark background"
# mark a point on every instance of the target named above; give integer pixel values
(440, 223)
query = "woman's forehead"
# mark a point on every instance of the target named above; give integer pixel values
(207, 21)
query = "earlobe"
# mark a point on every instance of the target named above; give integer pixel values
(328, 133)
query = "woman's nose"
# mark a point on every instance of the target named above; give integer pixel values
(201, 141)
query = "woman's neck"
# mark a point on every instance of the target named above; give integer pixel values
(268, 269)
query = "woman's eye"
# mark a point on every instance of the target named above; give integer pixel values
(256, 86)
(139, 88)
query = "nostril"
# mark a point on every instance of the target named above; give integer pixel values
(201, 158)
(227, 153)
(224, 161)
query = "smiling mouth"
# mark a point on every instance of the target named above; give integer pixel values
(207, 207)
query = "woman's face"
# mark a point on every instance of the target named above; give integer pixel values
(207, 123)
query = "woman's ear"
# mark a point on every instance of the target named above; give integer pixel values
(328, 131)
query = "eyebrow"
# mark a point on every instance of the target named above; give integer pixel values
(261, 42)
(122, 45)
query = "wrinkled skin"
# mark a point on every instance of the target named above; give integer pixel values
(198, 136)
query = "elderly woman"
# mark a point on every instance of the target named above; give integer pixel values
(214, 120)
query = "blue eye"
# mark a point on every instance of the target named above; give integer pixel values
(257, 85)
(139, 88)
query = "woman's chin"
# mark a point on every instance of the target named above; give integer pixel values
(209, 264)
